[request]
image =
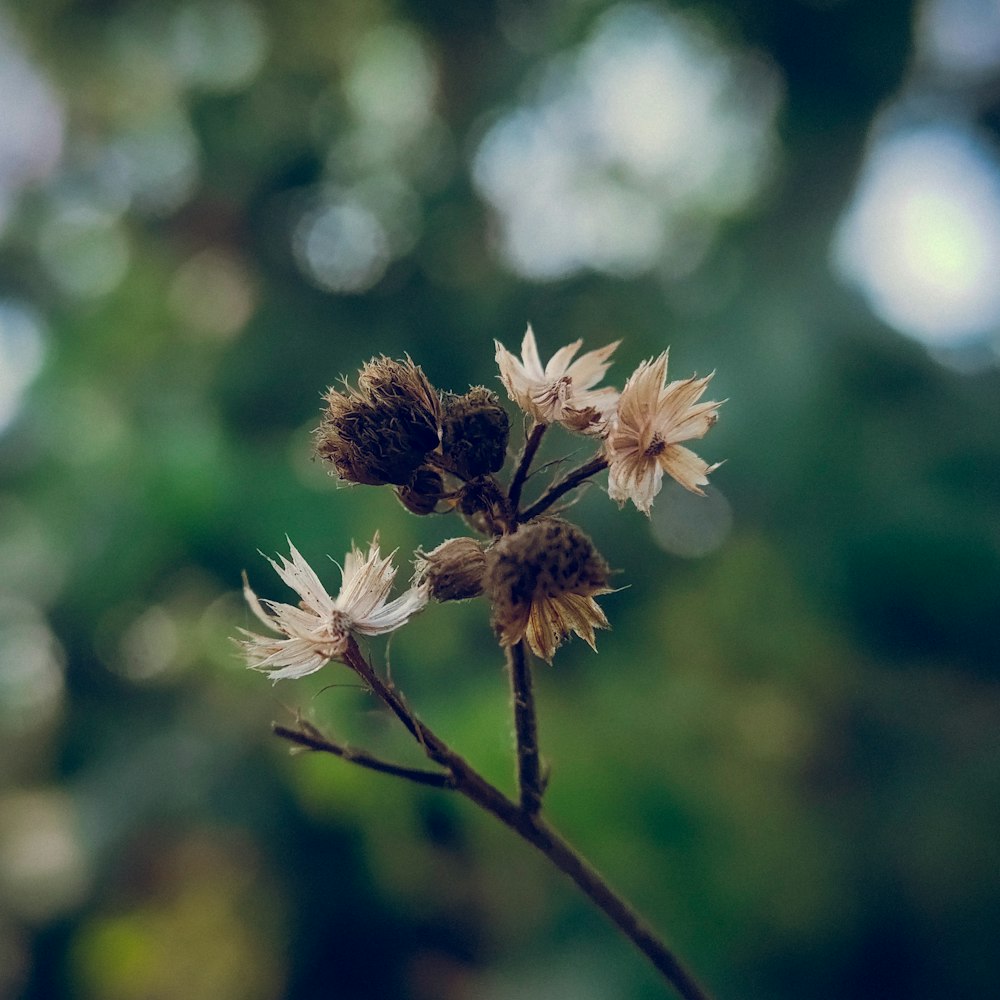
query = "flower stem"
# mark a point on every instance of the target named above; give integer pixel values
(556, 490)
(529, 777)
(463, 778)
(534, 439)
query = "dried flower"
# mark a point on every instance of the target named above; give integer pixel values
(650, 421)
(320, 628)
(474, 433)
(562, 391)
(542, 580)
(383, 430)
(453, 571)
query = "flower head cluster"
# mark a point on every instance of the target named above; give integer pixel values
(320, 628)
(442, 453)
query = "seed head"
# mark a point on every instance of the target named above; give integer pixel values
(474, 433)
(382, 431)
(423, 492)
(454, 571)
(542, 580)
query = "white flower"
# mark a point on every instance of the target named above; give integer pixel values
(652, 418)
(319, 629)
(562, 391)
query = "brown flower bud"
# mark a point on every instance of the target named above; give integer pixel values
(423, 492)
(454, 570)
(382, 431)
(474, 433)
(542, 580)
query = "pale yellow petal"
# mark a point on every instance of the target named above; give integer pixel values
(686, 467)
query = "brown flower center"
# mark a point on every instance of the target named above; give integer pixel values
(656, 447)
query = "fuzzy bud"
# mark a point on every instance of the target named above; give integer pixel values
(542, 580)
(454, 570)
(474, 433)
(382, 431)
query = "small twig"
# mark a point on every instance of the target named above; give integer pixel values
(464, 779)
(531, 443)
(309, 737)
(529, 778)
(569, 482)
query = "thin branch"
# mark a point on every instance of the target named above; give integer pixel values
(470, 783)
(531, 444)
(529, 778)
(620, 912)
(569, 482)
(311, 740)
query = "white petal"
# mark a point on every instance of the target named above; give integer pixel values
(255, 606)
(529, 355)
(366, 583)
(300, 576)
(591, 367)
(394, 614)
(559, 361)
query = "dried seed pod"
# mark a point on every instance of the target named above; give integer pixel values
(542, 580)
(454, 570)
(423, 492)
(474, 433)
(382, 431)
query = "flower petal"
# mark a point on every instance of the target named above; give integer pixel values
(686, 467)
(300, 577)
(559, 361)
(367, 581)
(532, 363)
(591, 367)
(394, 614)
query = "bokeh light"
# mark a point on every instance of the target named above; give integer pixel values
(960, 36)
(341, 246)
(44, 870)
(31, 122)
(921, 238)
(653, 131)
(688, 525)
(218, 45)
(84, 249)
(31, 668)
(22, 351)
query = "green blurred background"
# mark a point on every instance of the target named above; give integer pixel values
(786, 749)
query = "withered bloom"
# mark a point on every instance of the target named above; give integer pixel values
(474, 433)
(651, 421)
(562, 391)
(454, 571)
(542, 581)
(382, 431)
(320, 628)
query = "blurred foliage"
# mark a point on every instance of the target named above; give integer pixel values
(785, 752)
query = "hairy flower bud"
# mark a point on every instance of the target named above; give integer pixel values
(383, 430)
(454, 570)
(423, 492)
(474, 433)
(542, 580)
